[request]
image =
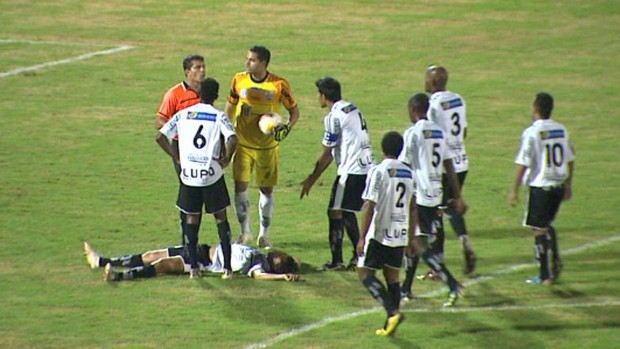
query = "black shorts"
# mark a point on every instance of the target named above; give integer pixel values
(542, 206)
(429, 221)
(347, 193)
(448, 193)
(203, 253)
(214, 198)
(377, 256)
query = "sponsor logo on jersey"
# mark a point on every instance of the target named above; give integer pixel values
(454, 103)
(552, 134)
(348, 108)
(400, 173)
(437, 134)
(201, 116)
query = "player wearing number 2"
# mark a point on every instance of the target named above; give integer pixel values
(253, 93)
(545, 164)
(199, 129)
(385, 229)
(447, 109)
(346, 141)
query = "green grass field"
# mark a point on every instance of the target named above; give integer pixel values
(79, 162)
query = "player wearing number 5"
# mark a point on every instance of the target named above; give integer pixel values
(253, 93)
(447, 109)
(199, 129)
(545, 164)
(427, 153)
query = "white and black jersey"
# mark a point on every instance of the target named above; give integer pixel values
(390, 186)
(244, 259)
(546, 151)
(447, 109)
(346, 133)
(424, 151)
(199, 128)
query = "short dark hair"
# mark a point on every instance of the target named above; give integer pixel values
(285, 264)
(392, 144)
(209, 89)
(263, 53)
(329, 87)
(544, 104)
(419, 101)
(188, 61)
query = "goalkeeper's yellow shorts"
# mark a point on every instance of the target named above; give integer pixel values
(265, 161)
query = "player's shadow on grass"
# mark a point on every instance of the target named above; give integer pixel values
(403, 343)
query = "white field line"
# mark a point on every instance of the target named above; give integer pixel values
(37, 42)
(62, 61)
(328, 320)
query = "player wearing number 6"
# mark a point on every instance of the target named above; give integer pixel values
(447, 109)
(545, 164)
(199, 129)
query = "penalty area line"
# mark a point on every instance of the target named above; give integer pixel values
(65, 61)
(328, 320)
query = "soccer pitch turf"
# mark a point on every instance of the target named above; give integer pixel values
(81, 83)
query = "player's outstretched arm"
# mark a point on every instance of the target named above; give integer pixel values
(322, 163)
(516, 184)
(259, 275)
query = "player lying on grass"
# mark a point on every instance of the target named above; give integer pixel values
(275, 265)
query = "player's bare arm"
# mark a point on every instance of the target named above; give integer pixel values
(568, 184)
(516, 184)
(160, 121)
(229, 109)
(322, 163)
(164, 143)
(231, 148)
(413, 223)
(368, 212)
(258, 275)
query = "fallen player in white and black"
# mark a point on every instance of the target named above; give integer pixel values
(274, 265)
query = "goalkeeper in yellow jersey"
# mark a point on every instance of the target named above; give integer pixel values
(253, 93)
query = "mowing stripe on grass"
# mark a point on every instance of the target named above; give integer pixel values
(65, 61)
(328, 320)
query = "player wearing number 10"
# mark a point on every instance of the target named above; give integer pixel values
(546, 159)
(447, 109)
(199, 129)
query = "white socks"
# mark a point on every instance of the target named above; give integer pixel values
(265, 210)
(242, 205)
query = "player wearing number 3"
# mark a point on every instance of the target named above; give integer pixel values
(199, 129)
(545, 164)
(447, 109)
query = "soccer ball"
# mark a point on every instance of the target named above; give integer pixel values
(268, 122)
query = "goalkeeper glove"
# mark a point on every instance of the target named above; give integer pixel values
(280, 132)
